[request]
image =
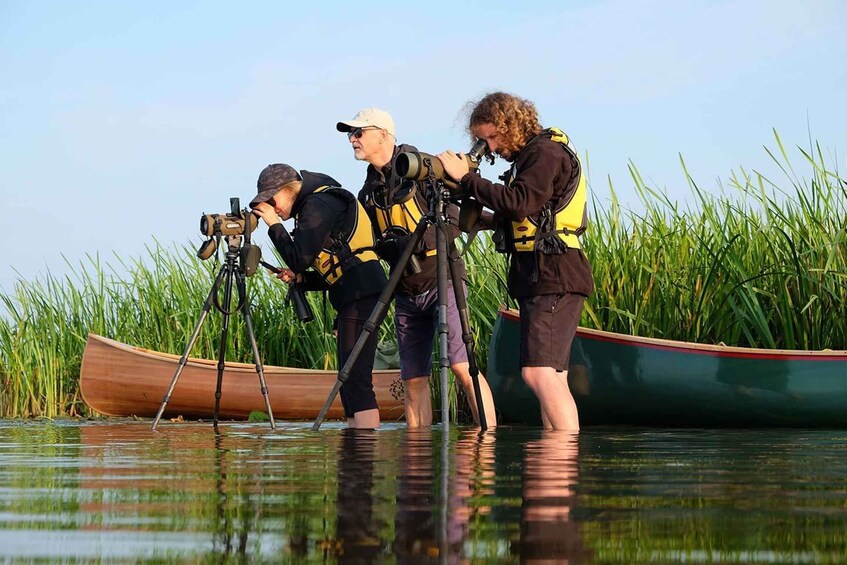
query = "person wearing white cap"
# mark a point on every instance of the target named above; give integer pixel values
(372, 136)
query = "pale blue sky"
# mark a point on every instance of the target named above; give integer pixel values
(122, 121)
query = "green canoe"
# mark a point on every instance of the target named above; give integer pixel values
(621, 379)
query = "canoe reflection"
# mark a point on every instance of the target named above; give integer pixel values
(345, 495)
(105, 491)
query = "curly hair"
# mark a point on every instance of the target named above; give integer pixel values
(515, 118)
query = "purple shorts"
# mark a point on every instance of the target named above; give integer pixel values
(415, 319)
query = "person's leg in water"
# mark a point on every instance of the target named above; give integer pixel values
(545, 421)
(357, 394)
(414, 340)
(548, 325)
(458, 355)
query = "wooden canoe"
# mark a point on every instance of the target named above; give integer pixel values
(117, 379)
(622, 379)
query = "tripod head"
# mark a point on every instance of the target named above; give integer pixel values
(442, 193)
(445, 191)
(236, 226)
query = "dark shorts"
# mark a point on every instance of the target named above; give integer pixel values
(357, 393)
(548, 325)
(416, 319)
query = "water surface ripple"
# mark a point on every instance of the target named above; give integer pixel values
(80, 491)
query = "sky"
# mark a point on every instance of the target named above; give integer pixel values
(121, 123)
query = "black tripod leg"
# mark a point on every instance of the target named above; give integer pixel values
(248, 321)
(443, 327)
(207, 306)
(222, 351)
(374, 320)
(467, 338)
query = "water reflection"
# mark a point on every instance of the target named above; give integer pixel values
(358, 529)
(230, 537)
(108, 491)
(443, 494)
(472, 487)
(415, 522)
(549, 532)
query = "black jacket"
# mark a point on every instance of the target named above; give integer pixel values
(320, 217)
(381, 185)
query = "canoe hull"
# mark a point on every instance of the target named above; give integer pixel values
(618, 379)
(117, 379)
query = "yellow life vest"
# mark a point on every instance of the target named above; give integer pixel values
(347, 249)
(564, 220)
(400, 217)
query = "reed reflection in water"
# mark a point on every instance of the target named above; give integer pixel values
(88, 491)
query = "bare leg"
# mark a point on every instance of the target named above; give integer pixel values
(418, 402)
(562, 376)
(463, 375)
(368, 419)
(557, 403)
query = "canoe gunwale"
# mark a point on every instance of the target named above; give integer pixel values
(206, 363)
(701, 348)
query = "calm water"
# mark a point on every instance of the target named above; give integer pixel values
(115, 491)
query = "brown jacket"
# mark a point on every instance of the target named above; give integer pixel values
(543, 171)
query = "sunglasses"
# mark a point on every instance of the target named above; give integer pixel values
(358, 132)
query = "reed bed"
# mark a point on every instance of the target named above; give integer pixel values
(751, 263)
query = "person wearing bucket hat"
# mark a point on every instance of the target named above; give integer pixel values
(330, 248)
(372, 137)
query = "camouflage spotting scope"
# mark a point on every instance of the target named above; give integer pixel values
(232, 224)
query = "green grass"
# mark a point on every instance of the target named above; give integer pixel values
(754, 262)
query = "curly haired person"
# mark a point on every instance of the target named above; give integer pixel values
(540, 212)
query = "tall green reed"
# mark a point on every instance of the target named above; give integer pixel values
(754, 264)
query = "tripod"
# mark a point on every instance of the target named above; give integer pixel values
(228, 271)
(437, 216)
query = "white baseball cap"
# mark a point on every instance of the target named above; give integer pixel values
(369, 117)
